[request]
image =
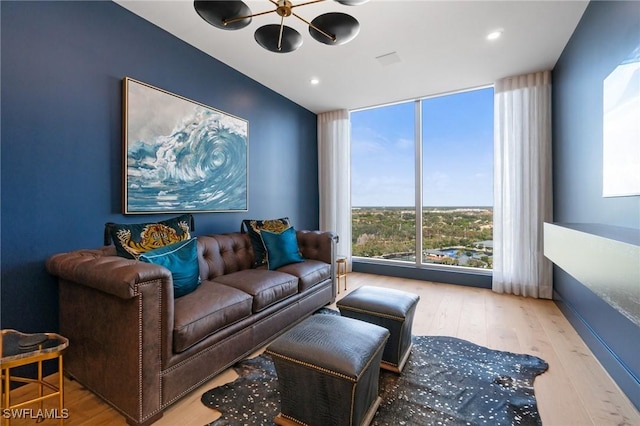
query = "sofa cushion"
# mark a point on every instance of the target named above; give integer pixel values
(182, 260)
(310, 272)
(254, 227)
(281, 247)
(266, 287)
(206, 310)
(133, 239)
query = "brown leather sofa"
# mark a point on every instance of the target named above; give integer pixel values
(140, 350)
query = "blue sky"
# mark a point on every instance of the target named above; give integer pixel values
(457, 152)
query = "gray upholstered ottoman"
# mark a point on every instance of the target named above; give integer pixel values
(388, 308)
(328, 371)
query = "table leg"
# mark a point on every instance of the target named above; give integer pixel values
(341, 272)
(40, 385)
(7, 396)
(61, 390)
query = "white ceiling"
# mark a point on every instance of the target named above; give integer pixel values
(441, 47)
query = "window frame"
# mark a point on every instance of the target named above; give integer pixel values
(418, 196)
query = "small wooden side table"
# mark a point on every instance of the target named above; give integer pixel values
(341, 271)
(19, 349)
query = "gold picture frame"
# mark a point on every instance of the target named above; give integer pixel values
(181, 156)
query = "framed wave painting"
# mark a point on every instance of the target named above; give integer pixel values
(180, 155)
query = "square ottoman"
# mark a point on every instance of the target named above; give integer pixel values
(328, 371)
(388, 308)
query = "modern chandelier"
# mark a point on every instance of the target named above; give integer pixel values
(333, 28)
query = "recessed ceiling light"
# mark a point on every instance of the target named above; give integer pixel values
(494, 35)
(314, 81)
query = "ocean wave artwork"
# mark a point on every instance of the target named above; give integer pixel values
(182, 156)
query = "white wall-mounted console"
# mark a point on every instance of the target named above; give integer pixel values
(604, 258)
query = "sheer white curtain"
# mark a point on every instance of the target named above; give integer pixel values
(522, 185)
(334, 175)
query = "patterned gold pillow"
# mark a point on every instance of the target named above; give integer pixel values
(253, 228)
(132, 240)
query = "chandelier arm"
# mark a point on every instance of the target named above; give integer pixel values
(281, 31)
(240, 18)
(324, 33)
(306, 3)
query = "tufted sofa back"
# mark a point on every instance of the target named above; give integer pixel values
(226, 253)
(223, 254)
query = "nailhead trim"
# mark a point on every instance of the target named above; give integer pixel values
(140, 347)
(293, 420)
(373, 313)
(313, 366)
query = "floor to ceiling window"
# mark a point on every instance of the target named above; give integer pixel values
(422, 181)
(383, 182)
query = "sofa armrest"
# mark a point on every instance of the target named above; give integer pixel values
(318, 245)
(322, 246)
(118, 316)
(102, 270)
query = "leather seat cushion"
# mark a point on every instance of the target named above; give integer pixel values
(310, 272)
(208, 309)
(379, 301)
(267, 287)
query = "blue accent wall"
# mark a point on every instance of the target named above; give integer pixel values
(61, 147)
(606, 35)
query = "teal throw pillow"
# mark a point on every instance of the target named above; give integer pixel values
(254, 227)
(182, 260)
(131, 240)
(282, 248)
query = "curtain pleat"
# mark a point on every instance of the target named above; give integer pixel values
(334, 164)
(522, 185)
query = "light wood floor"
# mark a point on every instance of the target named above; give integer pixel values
(576, 390)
